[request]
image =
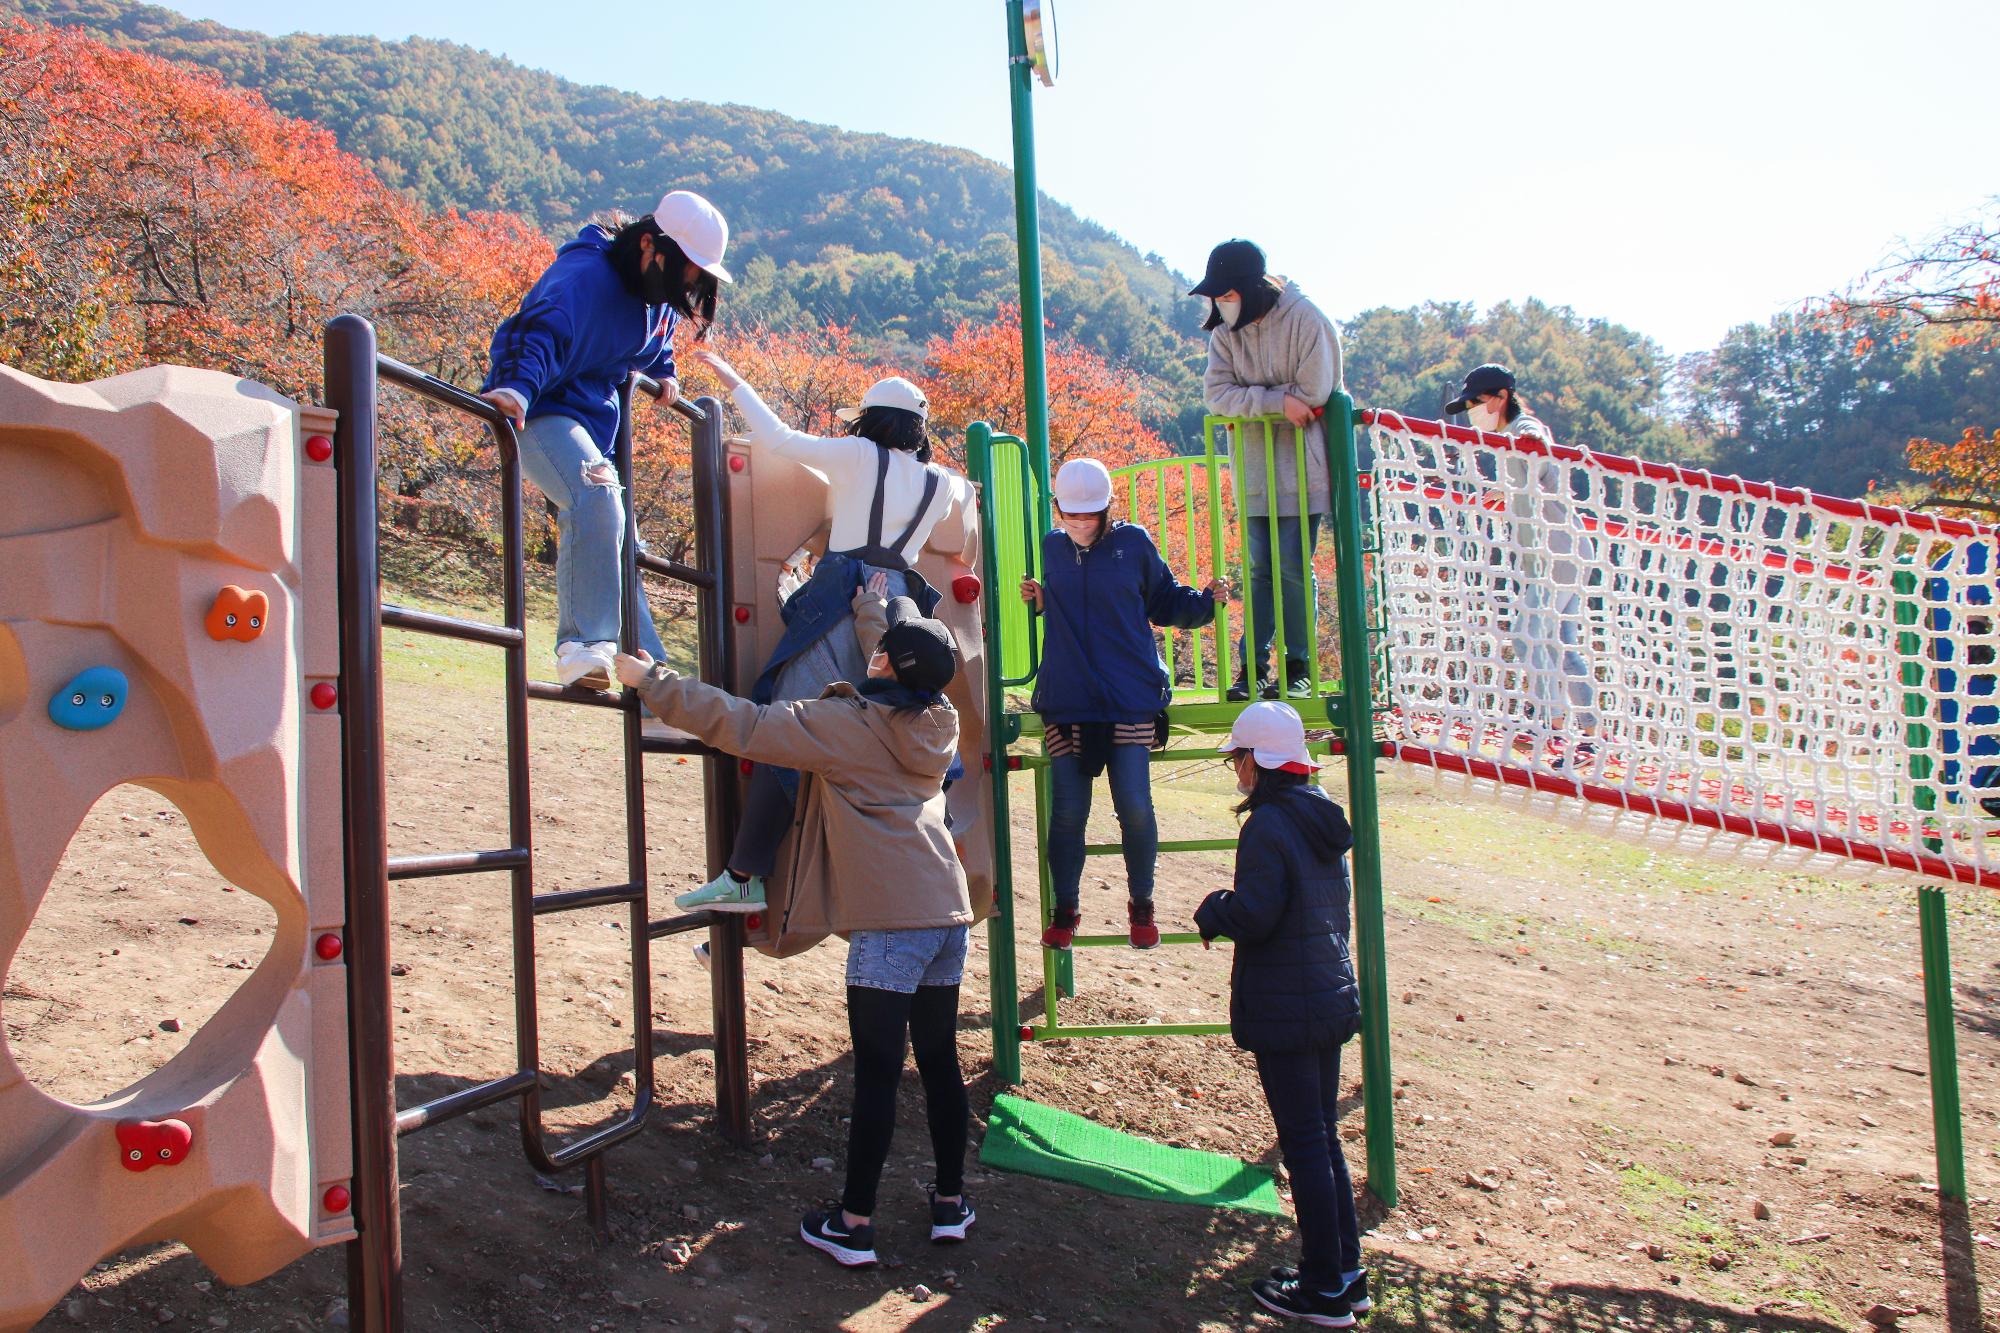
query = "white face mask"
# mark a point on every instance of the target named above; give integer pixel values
(1229, 310)
(1246, 786)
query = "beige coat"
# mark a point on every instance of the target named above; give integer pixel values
(870, 850)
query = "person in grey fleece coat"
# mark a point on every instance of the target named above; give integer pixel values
(1271, 352)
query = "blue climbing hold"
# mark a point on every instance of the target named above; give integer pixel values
(94, 699)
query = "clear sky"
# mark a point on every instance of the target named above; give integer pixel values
(1677, 168)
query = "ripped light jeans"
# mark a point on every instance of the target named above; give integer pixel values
(565, 464)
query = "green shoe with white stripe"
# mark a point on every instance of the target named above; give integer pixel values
(725, 894)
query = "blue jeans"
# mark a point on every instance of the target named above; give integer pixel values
(1131, 772)
(1303, 1090)
(1301, 592)
(902, 960)
(561, 459)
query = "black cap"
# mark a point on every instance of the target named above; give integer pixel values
(1232, 266)
(921, 651)
(1482, 381)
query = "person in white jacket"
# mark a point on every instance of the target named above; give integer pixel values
(1272, 353)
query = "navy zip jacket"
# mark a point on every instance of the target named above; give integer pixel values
(1291, 986)
(1100, 662)
(579, 332)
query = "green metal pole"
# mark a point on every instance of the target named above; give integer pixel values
(1003, 981)
(1939, 1019)
(1357, 724)
(1028, 244)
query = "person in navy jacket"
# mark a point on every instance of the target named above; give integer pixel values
(608, 306)
(1102, 689)
(1293, 1002)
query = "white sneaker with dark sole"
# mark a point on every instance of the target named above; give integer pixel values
(824, 1231)
(584, 665)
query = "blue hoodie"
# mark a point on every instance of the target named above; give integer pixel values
(577, 335)
(1100, 662)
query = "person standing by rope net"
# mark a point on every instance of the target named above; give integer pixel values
(1549, 556)
(1272, 353)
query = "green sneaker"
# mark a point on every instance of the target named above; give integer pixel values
(724, 894)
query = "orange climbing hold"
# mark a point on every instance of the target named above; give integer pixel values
(238, 613)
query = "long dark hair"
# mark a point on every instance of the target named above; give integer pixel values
(1258, 301)
(1515, 407)
(694, 300)
(1271, 784)
(894, 428)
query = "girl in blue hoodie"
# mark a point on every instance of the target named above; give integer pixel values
(1103, 689)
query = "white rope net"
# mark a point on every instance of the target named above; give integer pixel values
(1696, 657)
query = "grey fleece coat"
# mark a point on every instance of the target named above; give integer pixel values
(1293, 349)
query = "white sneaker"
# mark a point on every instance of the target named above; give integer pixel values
(584, 664)
(701, 954)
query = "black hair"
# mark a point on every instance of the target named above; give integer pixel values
(1271, 783)
(894, 428)
(695, 300)
(1515, 407)
(1258, 300)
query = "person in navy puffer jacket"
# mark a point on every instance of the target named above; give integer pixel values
(1293, 1002)
(608, 306)
(1102, 688)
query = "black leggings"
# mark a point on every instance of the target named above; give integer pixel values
(880, 1021)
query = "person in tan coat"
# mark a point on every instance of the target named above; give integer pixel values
(870, 857)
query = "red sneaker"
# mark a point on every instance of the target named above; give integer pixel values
(1062, 928)
(1145, 935)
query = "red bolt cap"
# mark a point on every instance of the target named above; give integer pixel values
(336, 1199)
(742, 615)
(1027, 1033)
(753, 922)
(965, 589)
(1013, 763)
(737, 462)
(747, 767)
(327, 946)
(319, 448)
(324, 695)
(986, 762)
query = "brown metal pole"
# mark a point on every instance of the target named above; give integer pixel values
(375, 1258)
(718, 667)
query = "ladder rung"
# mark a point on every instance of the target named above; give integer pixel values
(450, 627)
(457, 863)
(1125, 941)
(1183, 845)
(452, 1105)
(569, 900)
(677, 925)
(572, 694)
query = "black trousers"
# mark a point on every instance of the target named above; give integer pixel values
(882, 1023)
(1303, 1090)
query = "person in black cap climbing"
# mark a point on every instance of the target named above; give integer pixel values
(1492, 404)
(871, 857)
(1272, 353)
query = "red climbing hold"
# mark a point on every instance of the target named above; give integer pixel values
(319, 448)
(965, 589)
(327, 946)
(144, 1144)
(324, 695)
(336, 1199)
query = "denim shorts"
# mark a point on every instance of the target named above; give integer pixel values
(902, 960)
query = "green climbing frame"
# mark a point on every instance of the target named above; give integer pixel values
(1203, 542)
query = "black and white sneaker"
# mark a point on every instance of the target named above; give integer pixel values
(824, 1231)
(950, 1221)
(1356, 1294)
(1322, 1309)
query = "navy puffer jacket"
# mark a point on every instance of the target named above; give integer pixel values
(1291, 987)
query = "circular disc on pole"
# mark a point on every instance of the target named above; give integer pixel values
(1038, 30)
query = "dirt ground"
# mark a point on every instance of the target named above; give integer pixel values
(1598, 1050)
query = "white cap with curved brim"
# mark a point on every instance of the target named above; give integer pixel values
(1275, 735)
(697, 227)
(894, 391)
(1083, 486)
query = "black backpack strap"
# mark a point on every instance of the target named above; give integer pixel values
(923, 507)
(881, 494)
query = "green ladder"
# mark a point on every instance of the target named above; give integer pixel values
(1014, 489)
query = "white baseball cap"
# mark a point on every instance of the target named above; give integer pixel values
(894, 391)
(1083, 486)
(1275, 735)
(697, 227)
